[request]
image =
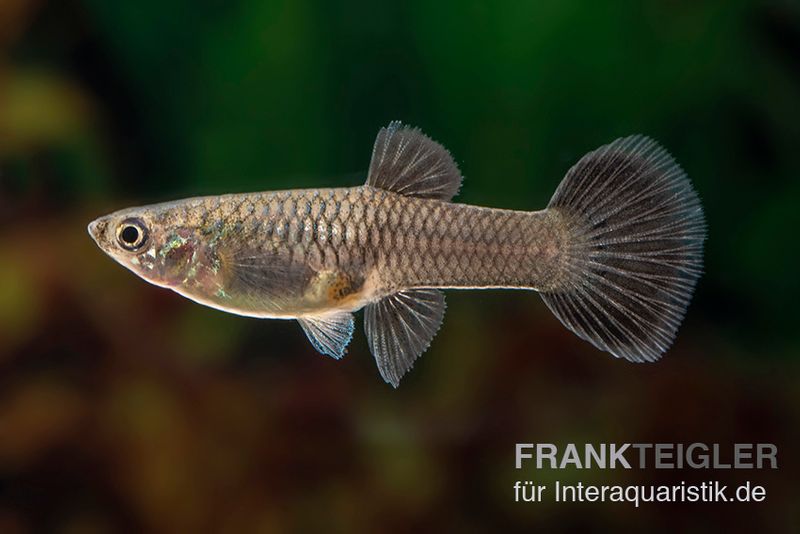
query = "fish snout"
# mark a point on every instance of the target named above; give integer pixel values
(97, 228)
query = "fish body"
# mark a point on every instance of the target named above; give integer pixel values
(615, 255)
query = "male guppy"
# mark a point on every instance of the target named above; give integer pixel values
(615, 255)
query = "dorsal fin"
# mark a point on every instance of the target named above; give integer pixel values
(400, 327)
(408, 162)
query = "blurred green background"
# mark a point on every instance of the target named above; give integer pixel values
(124, 407)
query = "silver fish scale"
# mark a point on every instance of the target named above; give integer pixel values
(407, 242)
(403, 242)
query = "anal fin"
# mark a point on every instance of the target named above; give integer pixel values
(400, 328)
(329, 333)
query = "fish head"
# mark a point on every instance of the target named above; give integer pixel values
(155, 242)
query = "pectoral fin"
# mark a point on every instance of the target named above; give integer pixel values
(400, 328)
(329, 333)
(263, 280)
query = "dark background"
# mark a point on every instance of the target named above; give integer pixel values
(125, 407)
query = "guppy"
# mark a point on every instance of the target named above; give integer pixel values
(615, 255)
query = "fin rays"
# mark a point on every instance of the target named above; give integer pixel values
(407, 162)
(400, 328)
(637, 252)
(330, 334)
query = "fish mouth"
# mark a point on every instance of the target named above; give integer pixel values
(97, 228)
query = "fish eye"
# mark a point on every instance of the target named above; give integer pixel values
(132, 234)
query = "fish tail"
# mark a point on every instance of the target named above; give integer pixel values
(635, 248)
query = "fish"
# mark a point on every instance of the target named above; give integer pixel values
(615, 255)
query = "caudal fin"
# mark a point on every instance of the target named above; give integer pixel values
(637, 232)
